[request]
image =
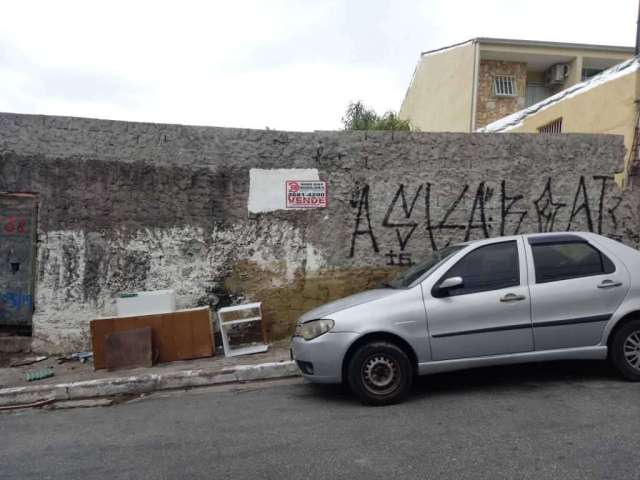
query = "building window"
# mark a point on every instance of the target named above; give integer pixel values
(536, 92)
(552, 127)
(505, 86)
(590, 72)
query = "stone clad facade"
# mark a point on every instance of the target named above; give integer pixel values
(136, 206)
(489, 106)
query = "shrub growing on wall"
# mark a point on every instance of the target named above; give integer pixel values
(359, 117)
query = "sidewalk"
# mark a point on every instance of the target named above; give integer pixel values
(74, 380)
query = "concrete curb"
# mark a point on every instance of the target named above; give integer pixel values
(135, 385)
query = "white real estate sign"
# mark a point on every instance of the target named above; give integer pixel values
(306, 194)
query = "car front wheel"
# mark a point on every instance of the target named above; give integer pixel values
(380, 373)
(625, 350)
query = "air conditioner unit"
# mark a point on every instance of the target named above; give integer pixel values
(556, 74)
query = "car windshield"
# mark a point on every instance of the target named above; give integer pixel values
(410, 275)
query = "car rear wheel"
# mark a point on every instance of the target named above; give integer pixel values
(380, 373)
(625, 350)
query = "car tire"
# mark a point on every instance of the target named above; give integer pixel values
(625, 350)
(380, 373)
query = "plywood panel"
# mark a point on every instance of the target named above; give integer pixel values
(180, 335)
(129, 349)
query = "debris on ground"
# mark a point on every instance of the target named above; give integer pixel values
(80, 356)
(38, 403)
(129, 349)
(39, 374)
(87, 403)
(241, 329)
(181, 335)
(27, 361)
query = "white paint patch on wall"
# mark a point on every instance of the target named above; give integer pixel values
(267, 187)
(288, 256)
(314, 261)
(187, 259)
(61, 314)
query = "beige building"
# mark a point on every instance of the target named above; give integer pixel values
(469, 85)
(605, 103)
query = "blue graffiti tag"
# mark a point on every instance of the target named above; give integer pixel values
(16, 300)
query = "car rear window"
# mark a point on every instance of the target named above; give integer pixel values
(565, 260)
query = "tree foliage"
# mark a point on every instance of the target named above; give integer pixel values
(359, 117)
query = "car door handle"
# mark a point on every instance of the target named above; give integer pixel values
(609, 284)
(512, 297)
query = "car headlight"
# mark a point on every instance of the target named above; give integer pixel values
(314, 328)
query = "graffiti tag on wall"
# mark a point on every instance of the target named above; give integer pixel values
(13, 225)
(482, 210)
(15, 301)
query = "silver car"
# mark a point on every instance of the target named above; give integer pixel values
(505, 300)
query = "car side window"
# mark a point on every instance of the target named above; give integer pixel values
(491, 267)
(565, 260)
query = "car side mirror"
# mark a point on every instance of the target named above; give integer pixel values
(449, 283)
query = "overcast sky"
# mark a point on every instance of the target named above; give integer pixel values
(285, 64)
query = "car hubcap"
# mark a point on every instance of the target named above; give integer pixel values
(381, 374)
(632, 350)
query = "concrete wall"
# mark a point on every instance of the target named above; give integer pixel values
(439, 98)
(133, 206)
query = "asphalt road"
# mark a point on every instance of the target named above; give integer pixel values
(560, 421)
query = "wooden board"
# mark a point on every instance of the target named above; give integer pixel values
(129, 349)
(181, 335)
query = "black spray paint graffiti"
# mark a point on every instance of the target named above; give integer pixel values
(546, 209)
(404, 229)
(409, 226)
(508, 203)
(360, 199)
(460, 222)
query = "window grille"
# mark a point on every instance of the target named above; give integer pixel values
(505, 86)
(552, 127)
